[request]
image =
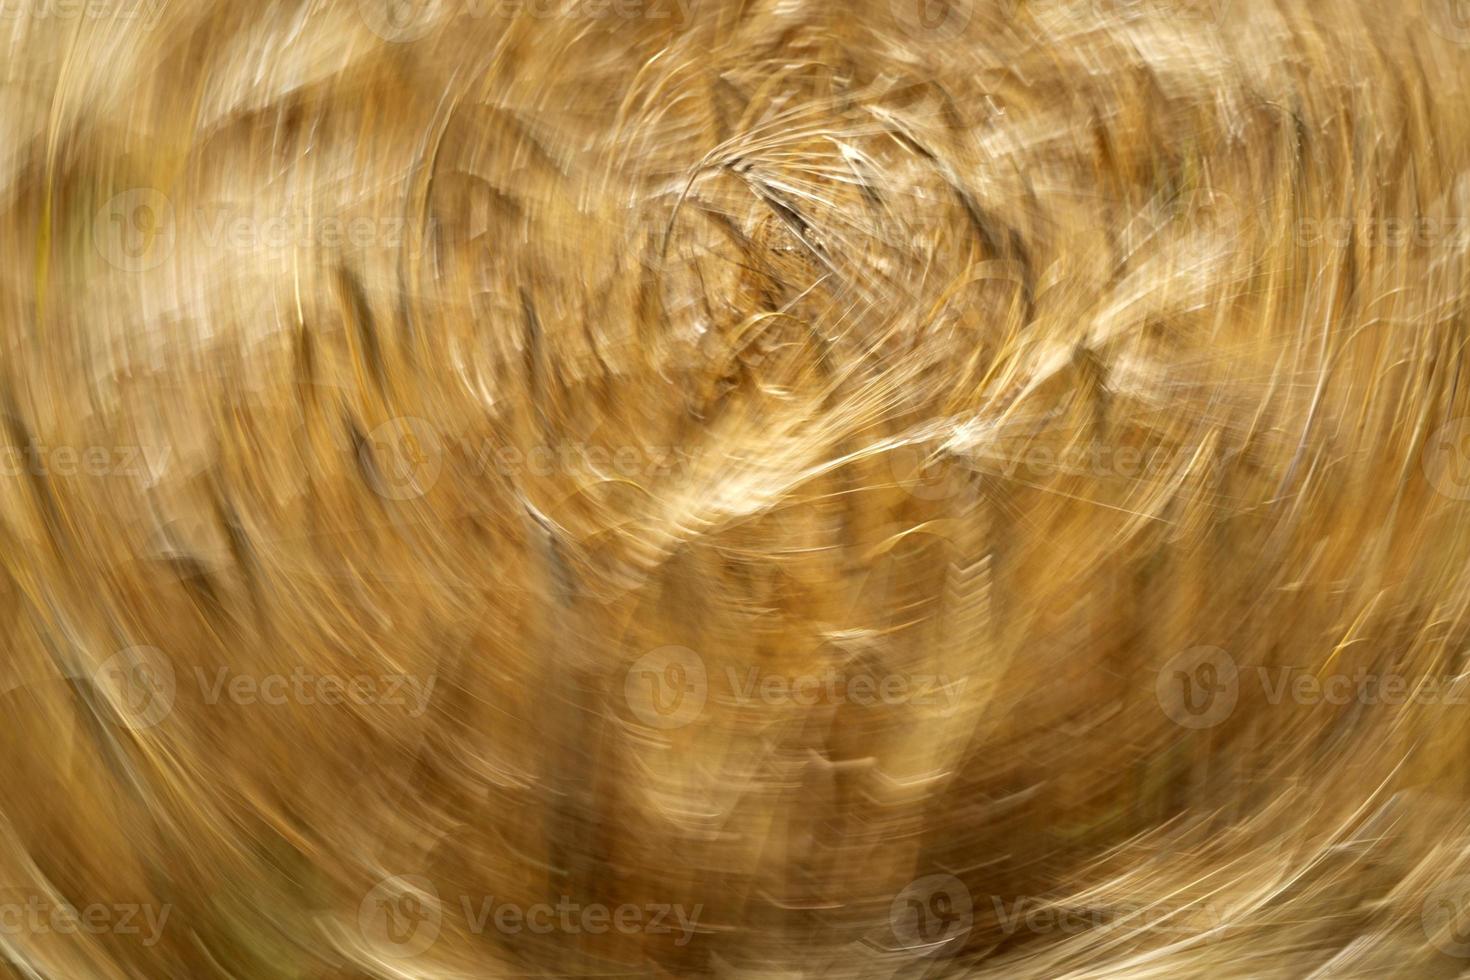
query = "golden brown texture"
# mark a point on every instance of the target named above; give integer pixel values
(973, 490)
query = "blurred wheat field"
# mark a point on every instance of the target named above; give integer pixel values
(734, 488)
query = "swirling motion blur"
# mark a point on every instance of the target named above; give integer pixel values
(734, 488)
